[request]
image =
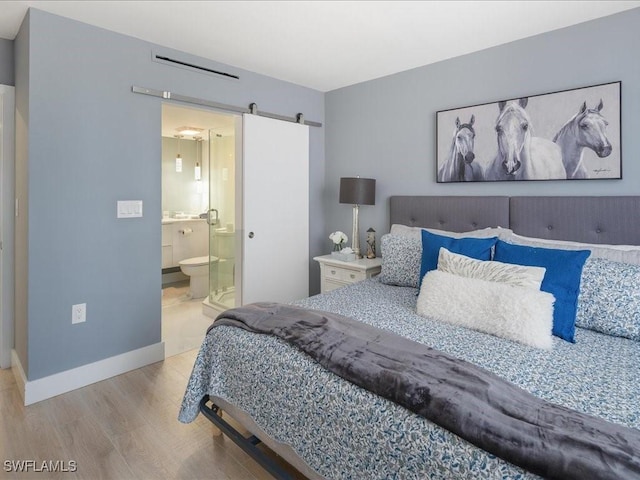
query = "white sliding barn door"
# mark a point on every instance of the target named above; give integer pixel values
(275, 264)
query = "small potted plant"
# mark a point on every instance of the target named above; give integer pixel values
(338, 238)
(339, 251)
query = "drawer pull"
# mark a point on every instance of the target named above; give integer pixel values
(333, 272)
(353, 275)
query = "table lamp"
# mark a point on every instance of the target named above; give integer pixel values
(357, 191)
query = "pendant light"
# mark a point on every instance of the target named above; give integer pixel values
(178, 157)
(198, 170)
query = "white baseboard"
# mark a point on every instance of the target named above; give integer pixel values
(33, 391)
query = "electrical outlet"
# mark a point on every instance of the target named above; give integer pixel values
(79, 313)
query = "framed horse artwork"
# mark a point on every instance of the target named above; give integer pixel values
(566, 135)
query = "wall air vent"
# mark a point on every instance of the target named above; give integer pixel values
(200, 68)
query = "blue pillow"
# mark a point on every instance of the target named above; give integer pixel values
(562, 279)
(478, 248)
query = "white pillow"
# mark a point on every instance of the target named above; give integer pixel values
(616, 253)
(492, 271)
(515, 313)
(415, 232)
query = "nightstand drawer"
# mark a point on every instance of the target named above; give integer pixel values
(336, 273)
(353, 276)
(343, 274)
(329, 285)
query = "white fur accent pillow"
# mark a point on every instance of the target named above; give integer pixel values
(516, 275)
(515, 313)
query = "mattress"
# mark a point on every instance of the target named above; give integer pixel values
(339, 430)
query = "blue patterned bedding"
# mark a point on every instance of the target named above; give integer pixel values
(343, 431)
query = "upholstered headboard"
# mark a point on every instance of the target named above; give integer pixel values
(612, 220)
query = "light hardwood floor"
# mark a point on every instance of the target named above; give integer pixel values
(125, 427)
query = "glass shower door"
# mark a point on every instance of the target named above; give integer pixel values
(222, 214)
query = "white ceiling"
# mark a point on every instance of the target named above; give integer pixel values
(176, 116)
(323, 45)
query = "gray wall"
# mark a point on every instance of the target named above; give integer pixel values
(89, 143)
(385, 128)
(6, 62)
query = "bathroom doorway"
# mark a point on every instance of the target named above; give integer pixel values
(199, 218)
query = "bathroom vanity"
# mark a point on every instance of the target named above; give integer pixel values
(183, 238)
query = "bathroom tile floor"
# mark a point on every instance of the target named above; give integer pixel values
(183, 323)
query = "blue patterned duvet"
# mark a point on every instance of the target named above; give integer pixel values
(343, 431)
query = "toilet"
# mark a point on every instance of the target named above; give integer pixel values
(197, 269)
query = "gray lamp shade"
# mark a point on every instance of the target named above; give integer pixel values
(358, 191)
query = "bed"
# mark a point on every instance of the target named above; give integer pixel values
(327, 427)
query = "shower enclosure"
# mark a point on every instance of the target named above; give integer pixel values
(222, 220)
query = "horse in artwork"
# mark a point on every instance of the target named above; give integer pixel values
(521, 156)
(460, 165)
(586, 129)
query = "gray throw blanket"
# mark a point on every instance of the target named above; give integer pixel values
(493, 414)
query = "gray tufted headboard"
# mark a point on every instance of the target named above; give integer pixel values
(612, 220)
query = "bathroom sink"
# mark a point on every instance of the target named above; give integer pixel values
(181, 217)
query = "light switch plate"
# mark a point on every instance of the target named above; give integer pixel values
(129, 208)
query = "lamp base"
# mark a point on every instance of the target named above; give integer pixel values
(355, 236)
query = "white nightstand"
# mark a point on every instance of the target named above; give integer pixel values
(336, 273)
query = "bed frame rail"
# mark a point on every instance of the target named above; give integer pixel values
(247, 444)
